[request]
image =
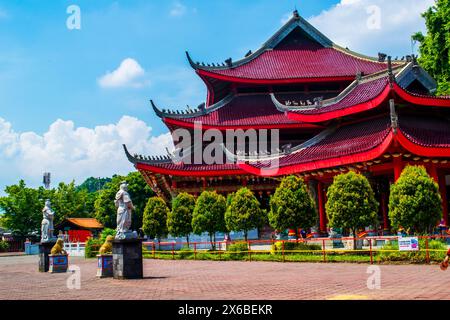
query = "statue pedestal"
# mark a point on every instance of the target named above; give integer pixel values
(58, 263)
(104, 265)
(127, 259)
(44, 251)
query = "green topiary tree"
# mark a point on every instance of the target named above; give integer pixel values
(209, 214)
(179, 220)
(154, 223)
(415, 201)
(351, 202)
(243, 212)
(292, 207)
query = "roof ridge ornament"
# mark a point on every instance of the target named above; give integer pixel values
(394, 116)
(390, 72)
(296, 14)
(382, 57)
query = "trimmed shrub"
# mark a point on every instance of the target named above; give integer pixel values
(244, 212)
(155, 218)
(4, 245)
(351, 202)
(237, 251)
(185, 253)
(92, 247)
(107, 232)
(277, 247)
(437, 251)
(415, 202)
(292, 207)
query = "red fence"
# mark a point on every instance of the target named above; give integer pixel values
(367, 249)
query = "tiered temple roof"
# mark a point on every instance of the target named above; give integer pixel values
(340, 110)
(296, 51)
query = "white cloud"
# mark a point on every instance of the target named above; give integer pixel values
(128, 74)
(178, 10)
(70, 152)
(349, 24)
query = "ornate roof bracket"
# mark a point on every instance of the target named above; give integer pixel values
(394, 116)
(200, 111)
(283, 108)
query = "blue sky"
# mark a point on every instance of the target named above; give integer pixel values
(48, 71)
(54, 103)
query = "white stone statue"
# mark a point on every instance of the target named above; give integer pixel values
(125, 208)
(47, 222)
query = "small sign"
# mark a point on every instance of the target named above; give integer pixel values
(408, 244)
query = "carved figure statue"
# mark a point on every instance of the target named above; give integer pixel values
(125, 208)
(47, 222)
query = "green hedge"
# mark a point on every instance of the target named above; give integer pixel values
(293, 247)
(237, 251)
(437, 252)
(4, 245)
(92, 247)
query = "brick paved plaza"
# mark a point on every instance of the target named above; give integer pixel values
(19, 279)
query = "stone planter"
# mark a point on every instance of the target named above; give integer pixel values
(58, 263)
(127, 259)
(44, 251)
(104, 265)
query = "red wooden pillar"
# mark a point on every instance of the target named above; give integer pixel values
(443, 190)
(322, 215)
(398, 167)
(432, 171)
(384, 210)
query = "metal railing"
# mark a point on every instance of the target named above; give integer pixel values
(371, 250)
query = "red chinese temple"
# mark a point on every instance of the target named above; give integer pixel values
(336, 110)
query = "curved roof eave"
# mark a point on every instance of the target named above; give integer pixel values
(322, 164)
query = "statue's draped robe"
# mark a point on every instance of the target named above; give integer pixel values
(123, 203)
(47, 224)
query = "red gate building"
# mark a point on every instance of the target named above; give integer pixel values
(335, 110)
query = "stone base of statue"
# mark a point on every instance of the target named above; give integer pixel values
(127, 259)
(44, 252)
(104, 265)
(58, 263)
